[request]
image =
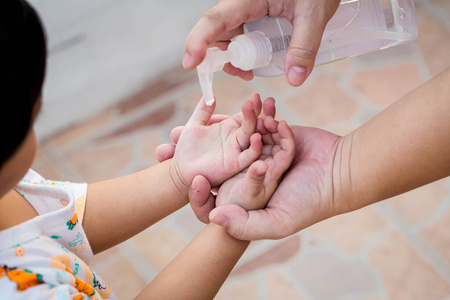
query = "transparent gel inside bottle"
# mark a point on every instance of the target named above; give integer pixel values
(357, 27)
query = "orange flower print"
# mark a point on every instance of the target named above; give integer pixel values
(72, 222)
(24, 278)
(19, 251)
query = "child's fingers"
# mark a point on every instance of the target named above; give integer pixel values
(260, 126)
(255, 100)
(254, 178)
(268, 111)
(200, 198)
(252, 153)
(250, 111)
(164, 152)
(251, 225)
(287, 141)
(271, 124)
(267, 129)
(217, 119)
(269, 107)
(202, 113)
(254, 185)
(285, 152)
(257, 104)
(175, 133)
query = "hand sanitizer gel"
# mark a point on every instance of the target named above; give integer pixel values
(357, 27)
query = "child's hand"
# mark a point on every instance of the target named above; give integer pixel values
(216, 151)
(251, 189)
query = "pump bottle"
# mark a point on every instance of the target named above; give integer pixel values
(357, 27)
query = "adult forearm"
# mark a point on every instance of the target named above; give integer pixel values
(404, 147)
(119, 208)
(200, 269)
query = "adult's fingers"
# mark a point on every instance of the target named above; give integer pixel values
(220, 22)
(309, 22)
(230, 69)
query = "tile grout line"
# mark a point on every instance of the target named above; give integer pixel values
(436, 12)
(130, 251)
(420, 245)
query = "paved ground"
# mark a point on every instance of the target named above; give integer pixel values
(101, 51)
(397, 249)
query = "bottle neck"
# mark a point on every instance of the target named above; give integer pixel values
(250, 51)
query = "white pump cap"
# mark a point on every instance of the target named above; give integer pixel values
(246, 52)
(250, 51)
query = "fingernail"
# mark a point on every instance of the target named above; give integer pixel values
(297, 75)
(187, 60)
(194, 186)
(218, 219)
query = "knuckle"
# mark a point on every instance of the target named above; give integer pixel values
(215, 16)
(302, 52)
(236, 232)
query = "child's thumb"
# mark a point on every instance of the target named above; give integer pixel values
(243, 225)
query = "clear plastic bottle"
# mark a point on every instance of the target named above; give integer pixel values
(357, 27)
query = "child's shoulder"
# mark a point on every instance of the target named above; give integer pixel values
(47, 196)
(60, 210)
(51, 246)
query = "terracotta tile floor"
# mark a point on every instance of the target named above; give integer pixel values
(397, 249)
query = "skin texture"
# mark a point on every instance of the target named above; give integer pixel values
(402, 148)
(224, 21)
(161, 190)
(139, 200)
(201, 268)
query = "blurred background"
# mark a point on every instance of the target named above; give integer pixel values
(115, 88)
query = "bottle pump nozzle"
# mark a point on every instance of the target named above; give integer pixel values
(213, 62)
(246, 52)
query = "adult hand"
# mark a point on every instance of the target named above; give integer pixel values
(305, 195)
(252, 188)
(224, 21)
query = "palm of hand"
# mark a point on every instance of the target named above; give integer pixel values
(276, 157)
(219, 150)
(305, 195)
(211, 151)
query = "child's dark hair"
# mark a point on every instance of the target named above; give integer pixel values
(22, 70)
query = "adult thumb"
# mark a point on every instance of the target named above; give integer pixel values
(308, 28)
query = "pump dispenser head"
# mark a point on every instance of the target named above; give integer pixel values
(213, 62)
(246, 52)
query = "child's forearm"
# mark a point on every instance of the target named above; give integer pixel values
(200, 269)
(119, 208)
(404, 147)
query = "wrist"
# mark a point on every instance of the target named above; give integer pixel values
(177, 180)
(342, 184)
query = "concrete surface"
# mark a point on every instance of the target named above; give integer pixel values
(396, 249)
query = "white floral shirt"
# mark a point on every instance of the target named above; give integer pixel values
(47, 257)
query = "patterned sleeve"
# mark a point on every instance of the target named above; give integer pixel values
(48, 195)
(63, 204)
